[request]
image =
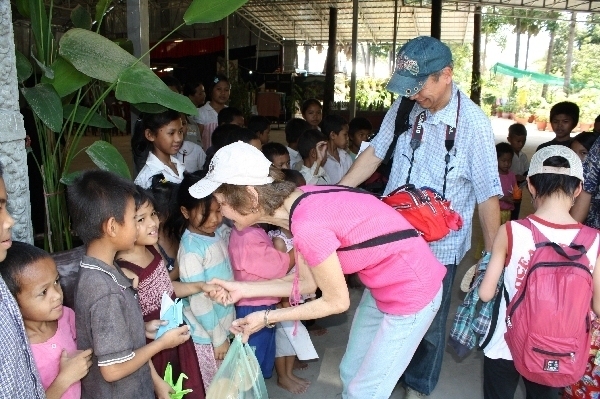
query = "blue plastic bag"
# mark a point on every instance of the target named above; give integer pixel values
(239, 377)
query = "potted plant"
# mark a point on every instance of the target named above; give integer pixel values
(541, 121)
(521, 117)
(499, 111)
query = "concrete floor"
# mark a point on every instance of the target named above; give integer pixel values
(460, 378)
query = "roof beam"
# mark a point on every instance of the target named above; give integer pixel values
(364, 21)
(248, 16)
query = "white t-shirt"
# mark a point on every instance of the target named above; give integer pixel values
(518, 261)
(154, 166)
(191, 156)
(295, 159)
(336, 170)
(320, 179)
(520, 164)
(209, 118)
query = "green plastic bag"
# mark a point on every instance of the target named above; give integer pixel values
(239, 377)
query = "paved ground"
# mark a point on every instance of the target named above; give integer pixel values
(460, 379)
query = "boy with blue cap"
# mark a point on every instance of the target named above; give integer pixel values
(439, 139)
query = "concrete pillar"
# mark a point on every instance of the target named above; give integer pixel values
(12, 133)
(138, 28)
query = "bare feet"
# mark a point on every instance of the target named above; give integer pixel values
(290, 385)
(316, 330)
(298, 365)
(299, 380)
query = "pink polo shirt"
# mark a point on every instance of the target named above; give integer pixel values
(403, 276)
(254, 258)
(47, 354)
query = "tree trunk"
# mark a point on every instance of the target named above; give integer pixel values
(365, 58)
(373, 57)
(569, 57)
(484, 57)
(527, 50)
(549, 60)
(517, 46)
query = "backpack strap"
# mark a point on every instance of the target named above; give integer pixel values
(372, 242)
(579, 246)
(495, 314)
(333, 189)
(401, 125)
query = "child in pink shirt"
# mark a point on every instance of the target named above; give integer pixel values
(31, 276)
(254, 258)
(508, 180)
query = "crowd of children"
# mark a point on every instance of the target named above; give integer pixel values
(156, 239)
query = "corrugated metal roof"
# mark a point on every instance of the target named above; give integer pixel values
(308, 20)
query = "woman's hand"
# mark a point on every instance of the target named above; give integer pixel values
(248, 325)
(228, 293)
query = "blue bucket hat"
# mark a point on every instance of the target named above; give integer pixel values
(416, 60)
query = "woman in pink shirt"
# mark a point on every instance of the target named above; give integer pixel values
(336, 231)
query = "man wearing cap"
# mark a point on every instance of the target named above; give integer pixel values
(449, 146)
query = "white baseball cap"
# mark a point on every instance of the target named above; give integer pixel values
(537, 167)
(238, 163)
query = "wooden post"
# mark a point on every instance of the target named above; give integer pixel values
(330, 63)
(476, 74)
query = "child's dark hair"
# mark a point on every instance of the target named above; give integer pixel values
(140, 145)
(258, 123)
(547, 184)
(517, 129)
(586, 139)
(308, 141)
(308, 103)
(213, 82)
(142, 197)
(189, 88)
(294, 128)
(566, 108)
(221, 134)
(294, 176)
(359, 123)
(333, 123)
(172, 82)
(164, 196)
(18, 257)
(242, 134)
(94, 197)
(176, 224)
(227, 115)
(273, 149)
(504, 148)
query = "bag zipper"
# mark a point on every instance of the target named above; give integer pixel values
(562, 354)
(522, 295)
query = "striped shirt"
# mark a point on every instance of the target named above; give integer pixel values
(474, 167)
(202, 258)
(19, 377)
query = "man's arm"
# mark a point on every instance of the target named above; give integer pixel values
(489, 217)
(581, 206)
(362, 168)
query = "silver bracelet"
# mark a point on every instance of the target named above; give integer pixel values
(267, 319)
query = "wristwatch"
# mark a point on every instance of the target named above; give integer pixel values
(267, 319)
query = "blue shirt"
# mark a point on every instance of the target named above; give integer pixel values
(474, 175)
(19, 377)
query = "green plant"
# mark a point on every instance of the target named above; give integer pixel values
(85, 65)
(541, 118)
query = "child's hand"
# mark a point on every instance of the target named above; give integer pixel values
(162, 390)
(507, 198)
(174, 337)
(152, 327)
(208, 288)
(321, 148)
(221, 351)
(73, 368)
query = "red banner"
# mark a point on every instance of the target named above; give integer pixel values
(188, 47)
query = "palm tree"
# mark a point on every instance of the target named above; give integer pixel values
(569, 59)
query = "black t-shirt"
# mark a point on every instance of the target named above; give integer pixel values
(566, 143)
